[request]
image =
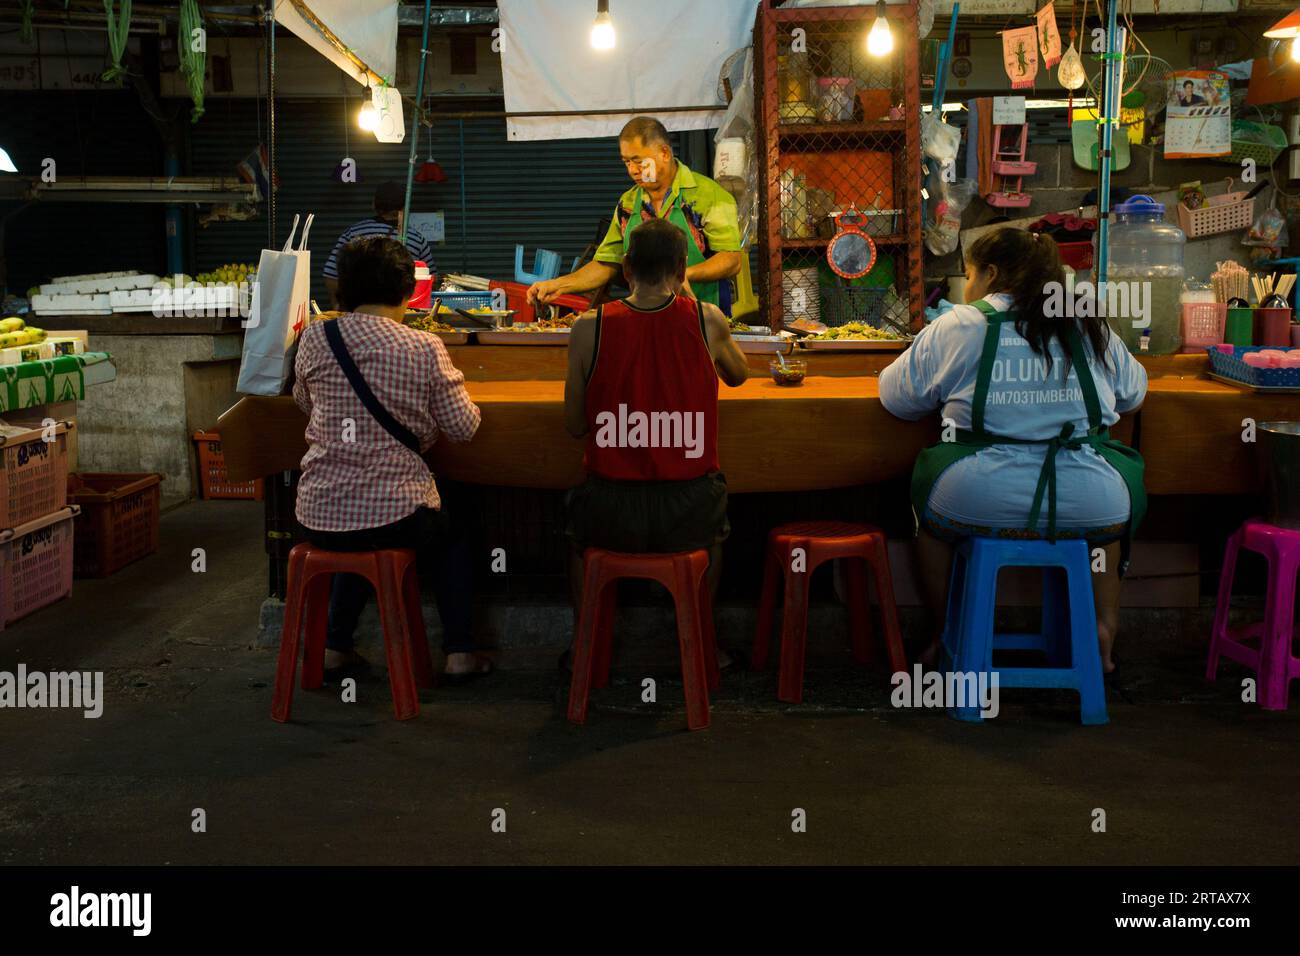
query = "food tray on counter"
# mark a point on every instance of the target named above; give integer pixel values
(505, 337)
(855, 345)
(1230, 368)
(1269, 389)
(454, 338)
(761, 341)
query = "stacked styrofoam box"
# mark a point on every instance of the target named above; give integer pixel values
(89, 294)
(205, 300)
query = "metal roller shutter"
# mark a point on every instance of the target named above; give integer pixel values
(548, 194)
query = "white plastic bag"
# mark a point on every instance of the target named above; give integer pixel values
(941, 234)
(939, 141)
(281, 297)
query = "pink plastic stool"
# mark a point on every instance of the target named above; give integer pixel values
(1268, 652)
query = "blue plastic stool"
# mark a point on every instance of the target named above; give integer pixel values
(1069, 628)
(546, 265)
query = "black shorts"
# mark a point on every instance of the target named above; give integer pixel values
(648, 517)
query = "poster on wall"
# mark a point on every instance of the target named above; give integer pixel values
(1198, 121)
(1020, 56)
(1049, 38)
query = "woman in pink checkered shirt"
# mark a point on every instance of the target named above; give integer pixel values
(364, 485)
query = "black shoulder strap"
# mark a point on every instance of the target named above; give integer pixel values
(373, 406)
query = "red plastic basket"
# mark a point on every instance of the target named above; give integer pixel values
(35, 564)
(118, 523)
(33, 474)
(1076, 255)
(517, 299)
(213, 482)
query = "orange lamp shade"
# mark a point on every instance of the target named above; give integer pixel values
(1285, 29)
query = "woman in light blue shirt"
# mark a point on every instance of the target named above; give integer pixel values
(1022, 384)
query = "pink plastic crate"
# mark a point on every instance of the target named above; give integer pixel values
(33, 474)
(1203, 324)
(35, 564)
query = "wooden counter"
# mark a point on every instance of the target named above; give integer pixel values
(830, 432)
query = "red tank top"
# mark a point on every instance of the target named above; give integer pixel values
(652, 394)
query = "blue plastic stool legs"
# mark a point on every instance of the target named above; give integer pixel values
(1068, 631)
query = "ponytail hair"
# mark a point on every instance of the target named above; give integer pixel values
(1027, 262)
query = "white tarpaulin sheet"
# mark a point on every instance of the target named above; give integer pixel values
(669, 54)
(367, 27)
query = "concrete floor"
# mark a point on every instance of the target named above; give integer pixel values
(1185, 773)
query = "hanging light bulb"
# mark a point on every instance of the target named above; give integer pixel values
(6, 164)
(1070, 73)
(602, 31)
(368, 118)
(1295, 50)
(881, 39)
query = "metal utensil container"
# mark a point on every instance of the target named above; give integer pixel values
(1279, 465)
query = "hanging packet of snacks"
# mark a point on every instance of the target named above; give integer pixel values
(1020, 56)
(1049, 38)
(1268, 229)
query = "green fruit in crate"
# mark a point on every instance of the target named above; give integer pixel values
(11, 324)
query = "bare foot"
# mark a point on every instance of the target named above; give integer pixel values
(334, 659)
(1106, 643)
(466, 663)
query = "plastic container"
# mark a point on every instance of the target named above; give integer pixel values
(1231, 364)
(1203, 324)
(1144, 248)
(35, 564)
(213, 482)
(835, 98)
(423, 286)
(1273, 328)
(1239, 329)
(118, 523)
(1295, 334)
(33, 474)
(791, 373)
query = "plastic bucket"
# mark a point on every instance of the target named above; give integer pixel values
(1273, 328)
(1279, 460)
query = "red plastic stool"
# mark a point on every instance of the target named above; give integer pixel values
(1265, 646)
(683, 575)
(393, 576)
(859, 545)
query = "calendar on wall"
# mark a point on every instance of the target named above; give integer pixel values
(1198, 120)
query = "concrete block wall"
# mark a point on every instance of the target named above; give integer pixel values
(141, 422)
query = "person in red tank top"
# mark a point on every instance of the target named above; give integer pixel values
(642, 389)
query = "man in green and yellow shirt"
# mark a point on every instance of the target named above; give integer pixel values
(664, 189)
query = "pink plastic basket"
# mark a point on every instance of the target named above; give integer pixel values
(35, 564)
(1203, 324)
(1227, 212)
(33, 474)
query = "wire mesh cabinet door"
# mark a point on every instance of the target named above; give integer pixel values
(839, 130)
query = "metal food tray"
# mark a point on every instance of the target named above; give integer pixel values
(503, 337)
(1272, 389)
(855, 345)
(453, 338)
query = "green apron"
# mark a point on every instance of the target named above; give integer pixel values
(704, 291)
(1125, 460)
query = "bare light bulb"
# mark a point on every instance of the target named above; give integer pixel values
(1295, 50)
(880, 41)
(602, 32)
(6, 164)
(368, 118)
